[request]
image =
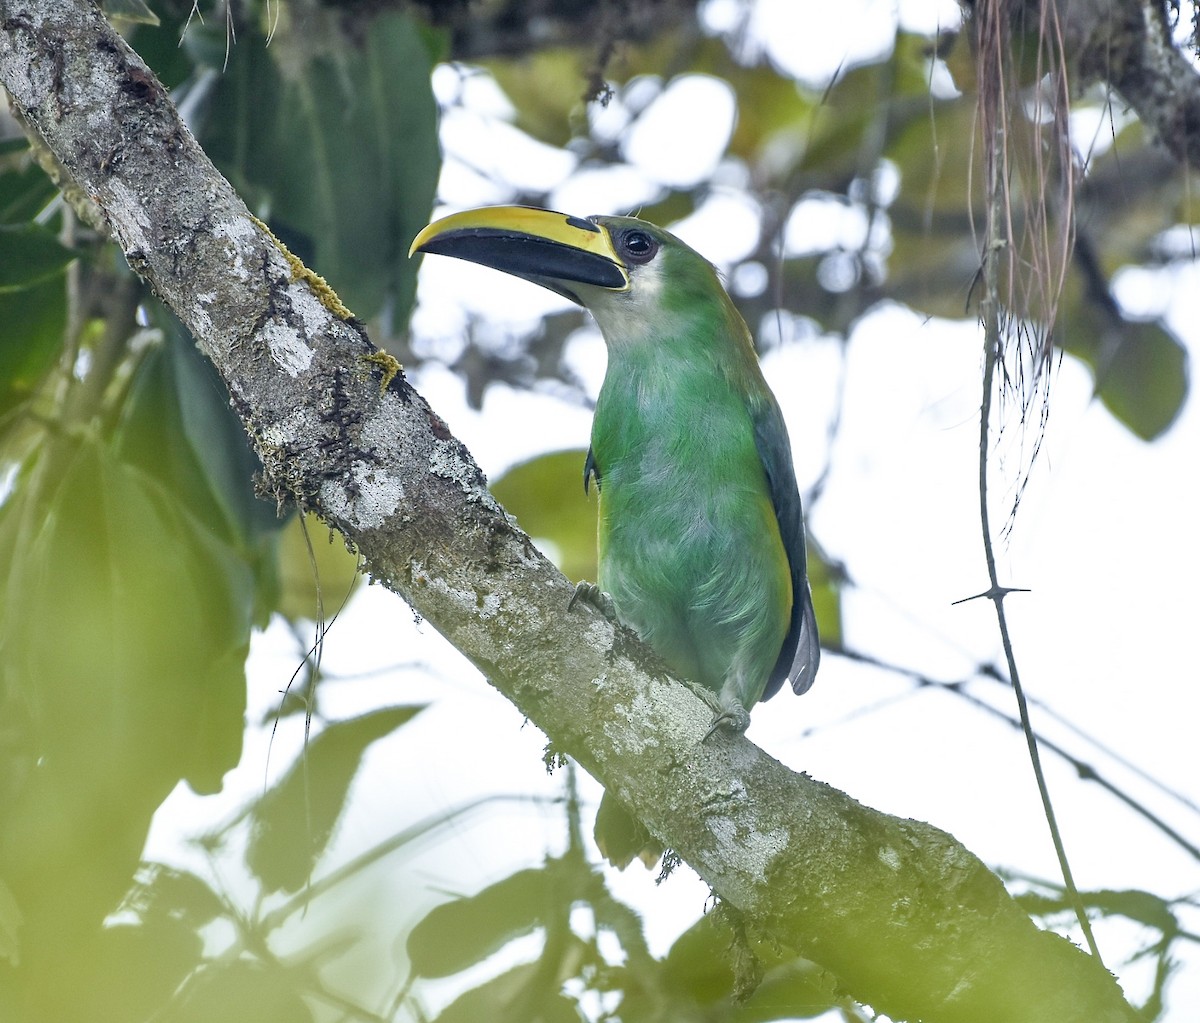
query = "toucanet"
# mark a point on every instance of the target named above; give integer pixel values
(701, 547)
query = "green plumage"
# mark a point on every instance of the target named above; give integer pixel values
(689, 544)
(701, 532)
(701, 542)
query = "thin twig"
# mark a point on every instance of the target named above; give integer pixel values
(1088, 772)
(990, 311)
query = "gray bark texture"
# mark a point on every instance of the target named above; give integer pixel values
(1127, 43)
(906, 919)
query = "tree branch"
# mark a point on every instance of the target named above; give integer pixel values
(907, 919)
(1127, 43)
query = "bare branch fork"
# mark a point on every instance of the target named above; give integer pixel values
(904, 917)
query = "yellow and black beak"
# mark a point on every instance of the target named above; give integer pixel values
(554, 250)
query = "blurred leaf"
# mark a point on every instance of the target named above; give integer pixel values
(1141, 369)
(32, 324)
(797, 989)
(163, 891)
(339, 151)
(825, 581)
(125, 635)
(335, 571)
(1135, 904)
(293, 823)
(1144, 382)
(546, 89)
(520, 995)
(177, 427)
(546, 496)
(133, 969)
(457, 935)
(699, 967)
(161, 640)
(25, 189)
(10, 926)
(29, 255)
(243, 990)
(170, 58)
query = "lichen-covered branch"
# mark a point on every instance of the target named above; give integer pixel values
(1127, 43)
(905, 918)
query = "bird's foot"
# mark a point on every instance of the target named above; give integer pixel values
(590, 593)
(727, 717)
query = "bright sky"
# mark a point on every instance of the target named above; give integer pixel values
(1105, 539)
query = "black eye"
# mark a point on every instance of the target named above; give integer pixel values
(637, 246)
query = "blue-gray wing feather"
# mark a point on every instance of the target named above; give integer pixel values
(801, 652)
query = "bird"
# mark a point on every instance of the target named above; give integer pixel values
(701, 545)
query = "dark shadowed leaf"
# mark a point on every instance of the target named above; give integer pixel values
(32, 322)
(293, 823)
(462, 933)
(178, 428)
(25, 189)
(339, 152)
(29, 255)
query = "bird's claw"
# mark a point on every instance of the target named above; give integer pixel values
(726, 717)
(729, 719)
(592, 594)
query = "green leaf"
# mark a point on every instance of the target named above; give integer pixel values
(546, 496)
(825, 578)
(161, 640)
(10, 926)
(523, 994)
(177, 426)
(797, 989)
(161, 891)
(340, 152)
(293, 823)
(1141, 368)
(168, 51)
(29, 255)
(125, 632)
(324, 579)
(1144, 381)
(25, 191)
(241, 989)
(700, 967)
(32, 323)
(698, 964)
(457, 935)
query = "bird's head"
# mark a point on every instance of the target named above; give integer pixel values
(634, 277)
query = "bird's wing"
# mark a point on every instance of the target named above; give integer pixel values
(801, 652)
(590, 470)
